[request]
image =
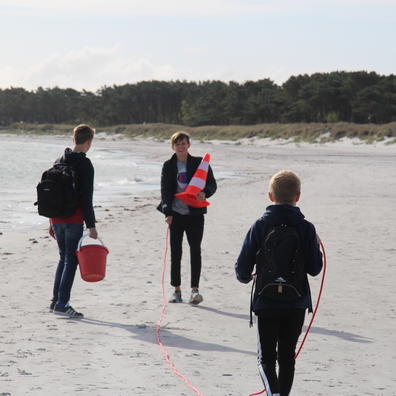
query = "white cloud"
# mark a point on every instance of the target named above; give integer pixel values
(92, 68)
(86, 68)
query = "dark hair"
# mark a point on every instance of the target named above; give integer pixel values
(83, 133)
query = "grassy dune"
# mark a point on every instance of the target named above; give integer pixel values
(301, 132)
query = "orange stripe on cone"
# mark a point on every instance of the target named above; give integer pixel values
(197, 184)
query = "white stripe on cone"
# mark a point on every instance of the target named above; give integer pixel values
(197, 184)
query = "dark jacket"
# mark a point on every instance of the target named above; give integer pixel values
(169, 184)
(84, 173)
(276, 215)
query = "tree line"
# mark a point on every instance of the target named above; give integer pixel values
(360, 97)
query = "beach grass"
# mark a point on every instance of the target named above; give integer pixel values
(295, 132)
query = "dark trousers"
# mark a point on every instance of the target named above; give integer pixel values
(67, 237)
(193, 226)
(278, 332)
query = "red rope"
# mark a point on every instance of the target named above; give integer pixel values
(313, 314)
(162, 316)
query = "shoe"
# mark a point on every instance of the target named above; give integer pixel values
(52, 306)
(176, 297)
(195, 298)
(67, 311)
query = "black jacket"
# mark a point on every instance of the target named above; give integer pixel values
(84, 173)
(169, 184)
(275, 215)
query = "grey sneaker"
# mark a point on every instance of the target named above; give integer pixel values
(195, 298)
(176, 297)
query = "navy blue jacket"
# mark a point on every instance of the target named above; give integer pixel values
(169, 184)
(276, 215)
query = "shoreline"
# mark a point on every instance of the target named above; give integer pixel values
(114, 138)
(287, 132)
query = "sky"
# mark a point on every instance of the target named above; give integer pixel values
(89, 44)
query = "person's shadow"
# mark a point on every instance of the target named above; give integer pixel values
(147, 333)
(340, 334)
(317, 330)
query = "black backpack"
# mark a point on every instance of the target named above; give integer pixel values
(280, 265)
(57, 193)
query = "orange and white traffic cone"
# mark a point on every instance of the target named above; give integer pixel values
(197, 184)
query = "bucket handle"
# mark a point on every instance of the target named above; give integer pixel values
(83, 237)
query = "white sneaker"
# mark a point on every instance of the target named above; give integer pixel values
(195, 298)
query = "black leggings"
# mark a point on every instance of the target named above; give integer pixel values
(278, 331)
(194, 227)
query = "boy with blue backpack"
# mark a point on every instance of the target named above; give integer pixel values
(284, 248)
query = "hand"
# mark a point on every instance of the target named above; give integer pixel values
(201, 196)
(318, 239)
(51, 231)
(168, 220)
(93, 233)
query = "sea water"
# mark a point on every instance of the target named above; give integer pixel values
(119, 175)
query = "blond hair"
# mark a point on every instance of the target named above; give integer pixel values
(178, 136)
(83, 133)
(284, 187)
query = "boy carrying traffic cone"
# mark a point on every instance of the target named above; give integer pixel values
(184, 213)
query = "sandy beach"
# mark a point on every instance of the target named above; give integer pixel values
(348, 192)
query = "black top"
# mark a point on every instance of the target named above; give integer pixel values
(84, 173)
(276, 215)
(169, 184)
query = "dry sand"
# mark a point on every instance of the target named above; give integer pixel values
(349, 193)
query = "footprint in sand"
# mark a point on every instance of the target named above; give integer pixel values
(23, 372)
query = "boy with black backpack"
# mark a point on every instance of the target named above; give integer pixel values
(64, 194)
(284, 247)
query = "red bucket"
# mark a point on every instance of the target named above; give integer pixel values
(92, 261)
